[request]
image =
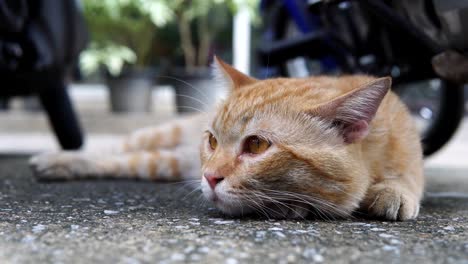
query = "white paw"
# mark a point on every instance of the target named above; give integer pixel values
(55, 166)
(392, 203)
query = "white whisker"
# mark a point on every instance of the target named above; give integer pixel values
(193, 98)
(192, 108)
(186, 83)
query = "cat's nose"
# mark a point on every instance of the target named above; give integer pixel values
(213, 179)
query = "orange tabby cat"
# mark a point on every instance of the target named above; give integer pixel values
(283, 147)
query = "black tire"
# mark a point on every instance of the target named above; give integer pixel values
(62, 117)
(444, 126)
(3, 104)
(451, 100)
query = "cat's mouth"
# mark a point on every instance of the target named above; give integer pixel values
(225, 200)
(231, 205)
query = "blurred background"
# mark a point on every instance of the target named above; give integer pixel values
(85, 73)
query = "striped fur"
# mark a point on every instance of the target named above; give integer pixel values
(162, 153)
(338, 144)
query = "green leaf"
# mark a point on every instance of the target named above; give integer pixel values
(113, 57)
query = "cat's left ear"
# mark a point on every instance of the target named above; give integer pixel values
(352, 113)
(226, 73)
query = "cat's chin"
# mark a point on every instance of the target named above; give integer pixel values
(237, 208)
(233, 209)
(269, 211)
(233, 205)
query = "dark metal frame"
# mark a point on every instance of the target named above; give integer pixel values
(322, 41)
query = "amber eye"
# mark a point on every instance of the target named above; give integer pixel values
(256, 145)
(213, 142)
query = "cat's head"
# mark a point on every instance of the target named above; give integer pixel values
(288, 147)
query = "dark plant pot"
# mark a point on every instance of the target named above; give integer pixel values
(196, 91)
(131, 91)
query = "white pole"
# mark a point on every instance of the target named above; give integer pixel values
(241, 41)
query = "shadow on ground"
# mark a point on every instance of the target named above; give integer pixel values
(143, 222)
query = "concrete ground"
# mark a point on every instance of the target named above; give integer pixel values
(143, 222)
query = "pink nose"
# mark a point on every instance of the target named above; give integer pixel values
(213, 179)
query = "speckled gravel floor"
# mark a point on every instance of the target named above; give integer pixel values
(142, 222)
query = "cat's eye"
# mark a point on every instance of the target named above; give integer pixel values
(213, 142)
(256, 145)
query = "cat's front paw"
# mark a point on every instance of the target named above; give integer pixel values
(391, 202)
(53, 166)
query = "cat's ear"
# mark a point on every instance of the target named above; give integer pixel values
(224, 72)
(352, 113)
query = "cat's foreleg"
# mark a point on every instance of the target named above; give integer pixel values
(180, 164)
(394, 199)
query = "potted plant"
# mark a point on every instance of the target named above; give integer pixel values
(199, 23)
(123, 35)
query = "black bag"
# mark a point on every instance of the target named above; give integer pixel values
(37, 35)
